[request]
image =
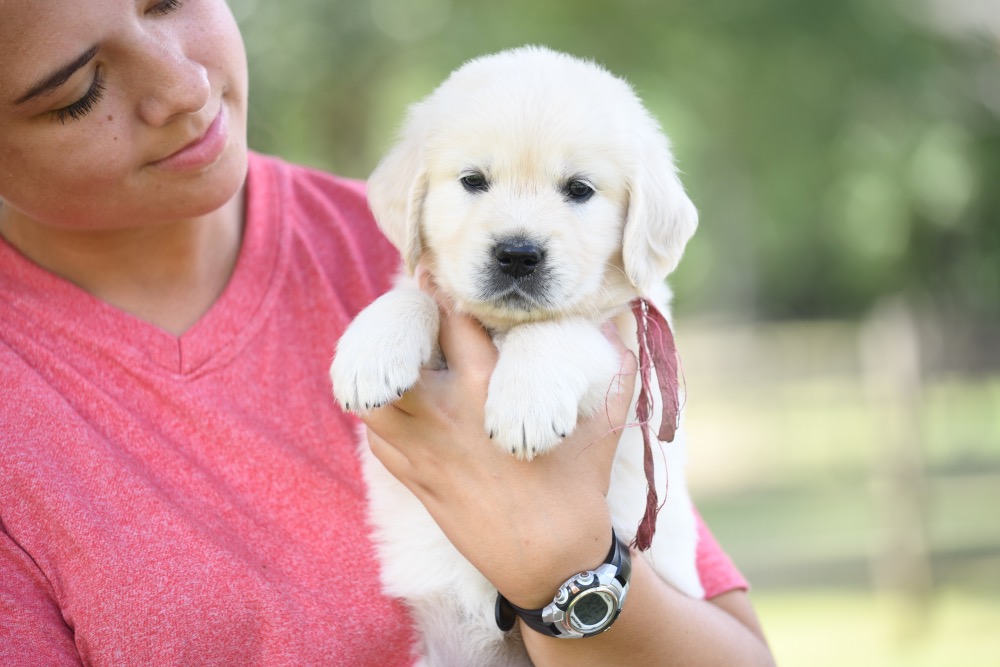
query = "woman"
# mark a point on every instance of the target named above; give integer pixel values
(178, 486)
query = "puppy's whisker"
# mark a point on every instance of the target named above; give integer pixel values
(595, 311)
(619, 270)
(603, 296)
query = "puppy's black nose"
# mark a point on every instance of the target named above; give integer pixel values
(518, 258)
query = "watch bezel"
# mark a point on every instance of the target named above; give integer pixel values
(607, 595)
(611, 579)
(602, 581)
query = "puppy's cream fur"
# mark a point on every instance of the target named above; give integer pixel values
(530, 121)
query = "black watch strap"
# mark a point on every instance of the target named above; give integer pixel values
(507, 612)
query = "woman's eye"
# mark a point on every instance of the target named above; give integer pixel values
(84, 105)
(166, 6)
(475, 182)
(579, 191)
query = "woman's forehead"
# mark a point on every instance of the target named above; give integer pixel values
(39, 35)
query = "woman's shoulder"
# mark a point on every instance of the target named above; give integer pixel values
(329, 218)
(311, 195)
(309, 190)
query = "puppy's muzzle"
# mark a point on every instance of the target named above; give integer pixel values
(516, 275)
(518, 258)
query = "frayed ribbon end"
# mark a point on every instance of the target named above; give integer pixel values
(656, 350)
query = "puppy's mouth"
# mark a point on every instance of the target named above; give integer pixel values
(516, 297)
(516, 276)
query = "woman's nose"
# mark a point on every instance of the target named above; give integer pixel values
(174, 84)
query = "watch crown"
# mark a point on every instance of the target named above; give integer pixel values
(585, 578)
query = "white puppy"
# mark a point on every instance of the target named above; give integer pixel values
(543, 199)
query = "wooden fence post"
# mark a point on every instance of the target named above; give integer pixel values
(900, 565)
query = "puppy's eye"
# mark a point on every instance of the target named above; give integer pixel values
(579, 191)
(475, 182)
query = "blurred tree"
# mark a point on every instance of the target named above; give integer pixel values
(837, 151)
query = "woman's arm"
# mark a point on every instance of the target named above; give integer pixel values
(661, 626)
(529, 526)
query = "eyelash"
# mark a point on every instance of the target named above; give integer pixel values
(85, 104)
(82, 106)
(167, 6)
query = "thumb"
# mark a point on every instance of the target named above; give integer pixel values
(466, 345)
(464, 342)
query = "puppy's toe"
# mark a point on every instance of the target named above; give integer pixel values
(367, 381)
(380, 355)
(367, 373)
(526, 424)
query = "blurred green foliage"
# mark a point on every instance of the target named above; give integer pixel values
(838, 151)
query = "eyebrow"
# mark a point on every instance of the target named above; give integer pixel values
(57, 78)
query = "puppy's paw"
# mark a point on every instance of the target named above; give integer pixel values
(528, 413)
(367, 373)
(380, 355)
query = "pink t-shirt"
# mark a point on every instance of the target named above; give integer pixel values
(197, 500)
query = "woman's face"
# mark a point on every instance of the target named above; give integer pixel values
(119, 113)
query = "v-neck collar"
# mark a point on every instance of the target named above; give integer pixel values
(49, 305)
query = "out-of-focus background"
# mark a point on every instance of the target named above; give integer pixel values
(838, 312)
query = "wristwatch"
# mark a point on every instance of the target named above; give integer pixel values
(586, 604)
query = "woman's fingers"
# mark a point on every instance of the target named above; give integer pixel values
(392, 458)
(592, 445)
(466, 345)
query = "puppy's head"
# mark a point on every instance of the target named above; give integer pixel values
(534, 185)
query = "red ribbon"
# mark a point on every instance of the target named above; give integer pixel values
(656, 350)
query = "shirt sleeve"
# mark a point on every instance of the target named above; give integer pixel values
(717, 572)
(33, 632)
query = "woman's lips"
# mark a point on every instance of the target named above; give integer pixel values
(201, 152)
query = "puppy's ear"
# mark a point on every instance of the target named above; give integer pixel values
(396, 192)
(661, 218)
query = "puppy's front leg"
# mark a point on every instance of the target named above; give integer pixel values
(547, 375)
(380, 355)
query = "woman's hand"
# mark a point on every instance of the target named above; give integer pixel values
(527, 526)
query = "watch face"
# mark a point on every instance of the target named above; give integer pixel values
(593, 610)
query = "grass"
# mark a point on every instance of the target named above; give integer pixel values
(861, 508)
(830, 628)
